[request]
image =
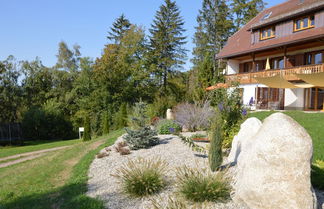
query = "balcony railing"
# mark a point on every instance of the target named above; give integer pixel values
(287, 73)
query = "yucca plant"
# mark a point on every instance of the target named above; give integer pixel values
(202, 185)
(142, 177)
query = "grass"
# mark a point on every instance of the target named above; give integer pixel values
(201, 186)
(30, 146)
(142, 177)
(313, 123)
(57, 180)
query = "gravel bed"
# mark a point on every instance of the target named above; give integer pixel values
(104, 186)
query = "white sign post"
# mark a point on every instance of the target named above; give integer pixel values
(81, 130)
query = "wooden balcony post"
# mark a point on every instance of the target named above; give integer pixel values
(253, 62)
(285, 57)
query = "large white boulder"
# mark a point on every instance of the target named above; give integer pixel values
(275, 170)
(245, 136)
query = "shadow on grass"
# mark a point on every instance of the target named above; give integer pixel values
(69, 196)
(317, 177)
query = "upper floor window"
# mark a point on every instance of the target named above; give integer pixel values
(304, 23)
(267, 33)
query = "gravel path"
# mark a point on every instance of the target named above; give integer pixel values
(106, 187)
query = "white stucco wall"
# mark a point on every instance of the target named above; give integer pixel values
(294, 99)
(233, 67)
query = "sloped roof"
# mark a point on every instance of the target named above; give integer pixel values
(240, 42)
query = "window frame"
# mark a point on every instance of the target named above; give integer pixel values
(273, 33)
(309, 18)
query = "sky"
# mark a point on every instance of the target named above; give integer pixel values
(33, 28)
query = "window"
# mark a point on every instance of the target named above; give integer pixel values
(318, 58)
(268, 33)
(247, 67)
(278, 63)
(304, 23)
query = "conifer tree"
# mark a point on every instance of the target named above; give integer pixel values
(87, 129)
(166, 42)
(245, 10)
(106, 123)
(215, 157)
(141, 135)
(118, 29)
(214, 28)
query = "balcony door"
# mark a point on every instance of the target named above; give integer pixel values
(314, 98)
(270, 98)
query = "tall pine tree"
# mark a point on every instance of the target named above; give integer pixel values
(214, 28)
(166, 51)
(244, 10)
(118, 29)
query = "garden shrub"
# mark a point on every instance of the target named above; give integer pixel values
(201, 185)
(229, 105)
(41, 123)
(142, 177)
(215, 157)
(168, 127)
(194, 116)
(142, 136)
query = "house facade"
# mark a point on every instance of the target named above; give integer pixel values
(277, 58)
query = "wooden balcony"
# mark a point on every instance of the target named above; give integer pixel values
(288, 73)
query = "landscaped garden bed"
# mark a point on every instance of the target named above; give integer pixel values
(104, 184)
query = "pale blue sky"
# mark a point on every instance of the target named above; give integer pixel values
(31, 28)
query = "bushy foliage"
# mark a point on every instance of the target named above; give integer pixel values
(142, 177)
(201, 185)
(87, 129)
(43, 124)
(215, 157)
(228, 104)
(142, 136)
(194, 116)
(168, 127)
(141, 139)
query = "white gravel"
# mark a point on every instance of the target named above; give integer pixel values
(107, 188)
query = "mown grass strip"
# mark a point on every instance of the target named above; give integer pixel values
(31, 146)
(52, 181)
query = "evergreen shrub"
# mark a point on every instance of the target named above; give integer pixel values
(141, 135)
(215, 157)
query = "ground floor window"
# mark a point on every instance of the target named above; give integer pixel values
(314, 98)
(270, 98)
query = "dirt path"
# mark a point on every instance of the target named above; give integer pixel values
(27, 156)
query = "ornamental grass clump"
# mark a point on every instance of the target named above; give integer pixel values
(142, 177)
(201, 185)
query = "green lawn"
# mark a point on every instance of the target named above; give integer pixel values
(57, 180)
(314, 124)
(34, 146)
